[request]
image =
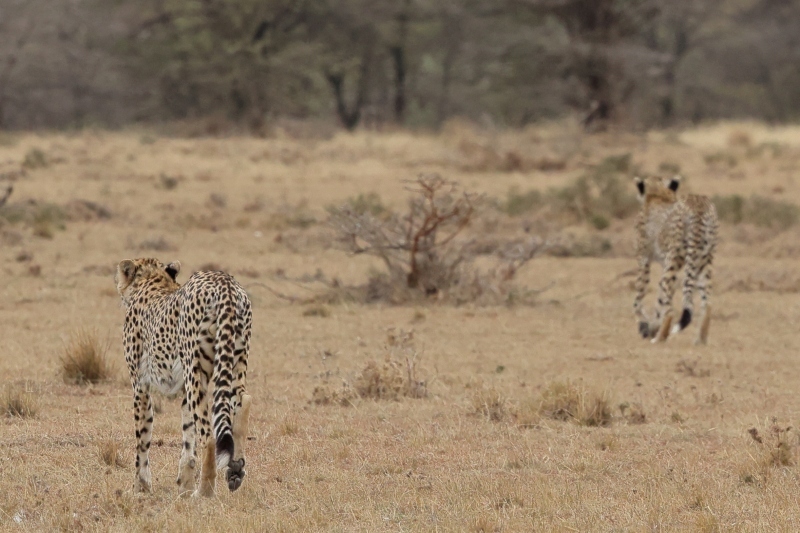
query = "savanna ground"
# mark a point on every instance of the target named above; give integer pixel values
(541, 409)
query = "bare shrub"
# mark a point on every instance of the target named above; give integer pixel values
(19, 401)
(421, 251)
(415, 247)
(109, 453)
(85, 359)
(569, 401)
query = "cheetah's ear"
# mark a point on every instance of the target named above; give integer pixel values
(173, 269)
(674, 183)
(639, 185)
(127, 269)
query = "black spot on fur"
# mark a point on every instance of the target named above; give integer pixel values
(674, 184)
(686, 318)
(640, 186)
(644, 329)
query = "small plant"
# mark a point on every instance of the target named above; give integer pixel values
(317, 310)
(777, 450)
(369, 203)
(326, 395)
(109, 452)
(489, 403)
(85, 359)
(167, 182)
(288, 426)
(518, 203)
(19, 401)
(568, 401)
(34, 158)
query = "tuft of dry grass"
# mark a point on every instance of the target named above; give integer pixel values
(568, 401)
(489, 403)
(390, 380)
(19, 401)
(776, 448)
(35, 158)
(317, 310)
(326, 395)
(109, 452)
(85, 359)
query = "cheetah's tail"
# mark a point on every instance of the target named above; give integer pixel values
(223, 377)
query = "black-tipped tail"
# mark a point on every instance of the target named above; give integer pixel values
(224, 450)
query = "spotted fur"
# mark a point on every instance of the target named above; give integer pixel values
(180, 339)
(674, 232)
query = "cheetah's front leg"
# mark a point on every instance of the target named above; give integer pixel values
(143, 418)
(188, 462)
(642, 279)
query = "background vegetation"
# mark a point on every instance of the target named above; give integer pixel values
(411, 62)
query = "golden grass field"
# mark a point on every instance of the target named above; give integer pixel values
(476, 454)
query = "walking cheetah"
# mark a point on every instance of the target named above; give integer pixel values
(184, 338)
(674, 232)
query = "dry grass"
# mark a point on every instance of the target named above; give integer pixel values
(109, 453)
(85, 359)
(569, 401)
(406, 464)
(19, 401)
(489, 403)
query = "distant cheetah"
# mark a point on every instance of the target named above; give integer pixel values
(674, 232)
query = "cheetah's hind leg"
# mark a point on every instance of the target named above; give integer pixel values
(241, 421)
(663, 330)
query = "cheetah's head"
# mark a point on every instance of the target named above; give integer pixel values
(133, 273)
(657, 189)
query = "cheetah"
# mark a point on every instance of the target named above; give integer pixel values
(674, 232)
(180, 339)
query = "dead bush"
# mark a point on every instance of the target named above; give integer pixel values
(85, 359)
(421, 251)
(19, 401)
